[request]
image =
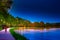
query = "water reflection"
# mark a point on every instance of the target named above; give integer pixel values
(46, 34)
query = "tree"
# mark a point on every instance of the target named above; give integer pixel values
(42, 24)
(5, 4)
(36, 24)
(47, 25)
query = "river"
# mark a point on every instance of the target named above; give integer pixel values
(51, 34)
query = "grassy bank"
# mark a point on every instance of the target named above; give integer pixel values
(0, 28)
(17, 36)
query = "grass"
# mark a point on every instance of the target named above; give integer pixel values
(0, 28)
(17, 36)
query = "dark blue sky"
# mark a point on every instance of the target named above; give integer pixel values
(37, 10)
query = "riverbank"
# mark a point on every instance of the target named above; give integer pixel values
(16, 35)
(34, 29)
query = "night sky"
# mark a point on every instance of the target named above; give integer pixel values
(37, 10)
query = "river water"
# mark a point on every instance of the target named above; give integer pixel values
(51, 34)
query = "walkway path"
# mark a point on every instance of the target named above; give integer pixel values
(6, 35)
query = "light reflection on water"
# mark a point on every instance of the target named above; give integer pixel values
(51, 34)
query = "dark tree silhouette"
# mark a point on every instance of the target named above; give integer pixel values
(5, 4)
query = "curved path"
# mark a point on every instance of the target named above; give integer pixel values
(6, 35)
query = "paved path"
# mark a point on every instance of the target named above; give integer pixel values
(6, 35)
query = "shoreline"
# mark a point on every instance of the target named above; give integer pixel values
(23, 28)
(38, 30)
